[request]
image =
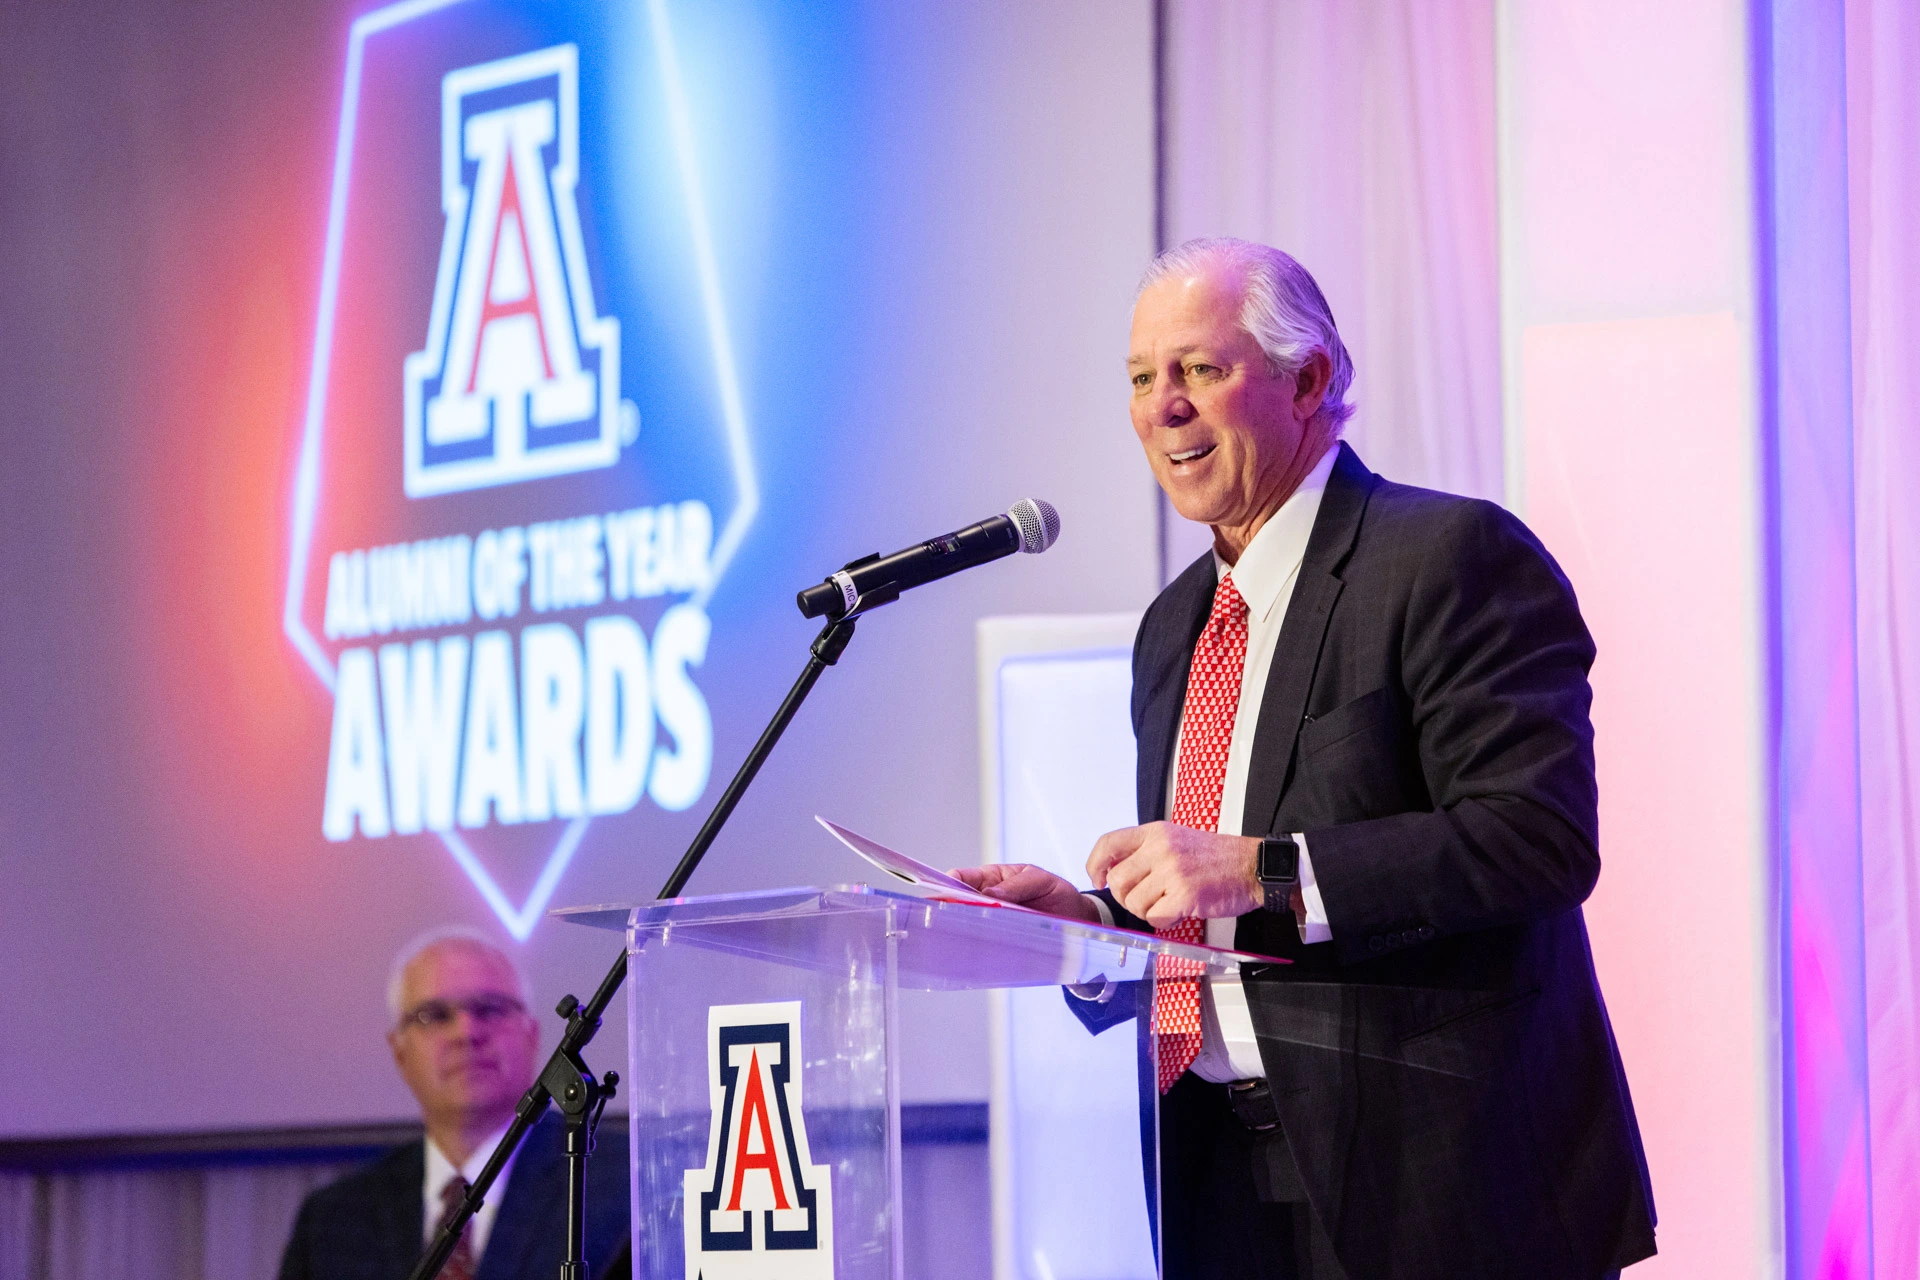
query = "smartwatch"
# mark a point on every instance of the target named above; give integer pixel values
(1278, 869)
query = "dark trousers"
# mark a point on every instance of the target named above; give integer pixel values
(1230, 1203)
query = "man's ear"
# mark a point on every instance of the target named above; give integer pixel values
(1310, 385)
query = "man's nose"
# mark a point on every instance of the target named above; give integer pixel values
(468, 1026)
(1169, 406)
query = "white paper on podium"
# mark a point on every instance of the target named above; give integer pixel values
(914, 872)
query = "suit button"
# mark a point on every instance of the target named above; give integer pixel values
(1376, 943)
(1426, 932)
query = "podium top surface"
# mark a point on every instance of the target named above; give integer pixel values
(940, 944)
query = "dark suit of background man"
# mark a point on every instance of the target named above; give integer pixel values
(465, 1044)
(1397, 681)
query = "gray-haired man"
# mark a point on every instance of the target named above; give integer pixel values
(466, 1045)
(1364, 747)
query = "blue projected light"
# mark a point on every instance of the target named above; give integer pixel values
(674, 783)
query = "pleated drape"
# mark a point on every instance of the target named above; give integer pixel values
(1360, 138)
(227, 1222)
(1883, 190)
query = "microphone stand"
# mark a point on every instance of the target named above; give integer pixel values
(565, 1080)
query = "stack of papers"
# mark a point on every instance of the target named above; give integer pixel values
(939, 884)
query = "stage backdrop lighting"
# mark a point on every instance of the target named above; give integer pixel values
(422, 418)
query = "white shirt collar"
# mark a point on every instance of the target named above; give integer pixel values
(440, 1171)
(1274, 555)
(440, 1168)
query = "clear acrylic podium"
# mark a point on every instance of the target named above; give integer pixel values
(763, 1085)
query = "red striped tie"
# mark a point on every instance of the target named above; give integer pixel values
(1206, 732)
(460, 1261)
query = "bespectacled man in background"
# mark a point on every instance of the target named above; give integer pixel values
(467, 1046)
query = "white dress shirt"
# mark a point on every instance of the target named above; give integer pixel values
(440, 1171)
(1265, 577)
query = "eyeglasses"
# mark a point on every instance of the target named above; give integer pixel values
(438, 1015)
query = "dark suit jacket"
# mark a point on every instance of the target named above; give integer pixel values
(368, 1225)
(1445, 1072)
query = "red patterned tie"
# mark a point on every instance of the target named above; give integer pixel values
(1213, 699)
(460, 1261)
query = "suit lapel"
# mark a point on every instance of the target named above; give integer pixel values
(532, 1208)
(1297, 654)
(1160, 679)
(399, 1224)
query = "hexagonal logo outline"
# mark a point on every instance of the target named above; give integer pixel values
(520, 919)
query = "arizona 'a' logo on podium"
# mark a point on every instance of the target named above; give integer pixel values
(520, 377)
(760, 1209)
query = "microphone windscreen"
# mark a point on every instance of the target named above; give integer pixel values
(1038, 523)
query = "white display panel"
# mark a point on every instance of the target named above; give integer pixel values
(1058, 761)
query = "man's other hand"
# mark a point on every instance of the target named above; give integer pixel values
(1164, 873)
(1029, 886)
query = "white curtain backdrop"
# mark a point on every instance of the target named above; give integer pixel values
(218, 1223)
(17, 1229)
(1361, 139)
(1883, 162)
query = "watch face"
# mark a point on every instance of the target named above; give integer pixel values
(1279, 860)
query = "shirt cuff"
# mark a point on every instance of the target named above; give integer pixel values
(1315, 928)
(1100, 990)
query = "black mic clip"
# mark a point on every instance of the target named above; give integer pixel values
(868, 601)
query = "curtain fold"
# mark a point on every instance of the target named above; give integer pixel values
(1883, 167)
(214, 1223)
(124, 1226)
(1360, 138)
(18, 1234)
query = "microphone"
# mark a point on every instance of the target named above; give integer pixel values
(1030, 526)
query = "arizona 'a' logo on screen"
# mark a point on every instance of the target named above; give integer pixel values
(500, 583)
(760, 1209)
(520, 377)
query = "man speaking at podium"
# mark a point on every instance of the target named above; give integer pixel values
(1364, 747)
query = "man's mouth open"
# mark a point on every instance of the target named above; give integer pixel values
(1190, 455)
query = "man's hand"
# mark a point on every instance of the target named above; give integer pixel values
(1164, 873)
(1029, 886)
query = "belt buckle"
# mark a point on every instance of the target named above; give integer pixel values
(1252, 1103)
